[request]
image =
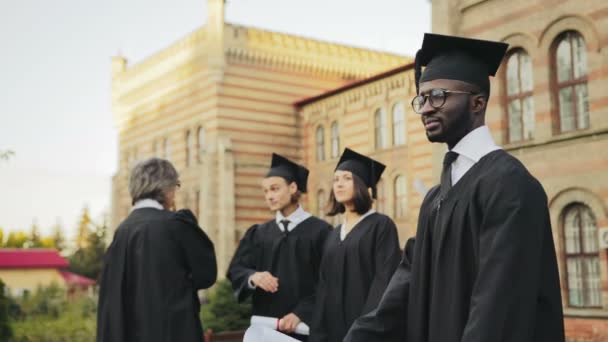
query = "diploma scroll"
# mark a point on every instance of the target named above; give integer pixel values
(273, 323)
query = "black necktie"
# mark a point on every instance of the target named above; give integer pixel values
(285, 224)
(446, 173)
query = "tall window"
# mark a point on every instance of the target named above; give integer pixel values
(582, 257)
(380, 128)
(570, 60)
(186, 200)
(200, 143)
(400, 196)
(381, 197)
(335, 140)
(156, 148)
(189, 148)
(320, 138)
(321, 203)
(399, 124)
(167, 148)
(520, 103)
(197, 201)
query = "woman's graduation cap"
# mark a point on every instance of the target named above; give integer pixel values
(458, 58)
(290, 171)
(364, 167)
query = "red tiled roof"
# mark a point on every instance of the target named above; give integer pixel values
(75, 279)
(354, 84)
(31, 258)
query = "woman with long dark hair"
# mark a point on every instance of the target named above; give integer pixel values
(360, 255)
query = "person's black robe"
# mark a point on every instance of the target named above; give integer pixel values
(354, 274)
(293, 258)
(151, 273)
(482, 268)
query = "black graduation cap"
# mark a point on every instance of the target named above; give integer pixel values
(290, 171)
(364, 167)
(458, 58)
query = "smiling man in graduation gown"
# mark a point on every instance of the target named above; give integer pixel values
(482, 267)
(277, 262)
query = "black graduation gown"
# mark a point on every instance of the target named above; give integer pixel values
(152, 271)
(293, 258)
(354, 274)
(483, 266)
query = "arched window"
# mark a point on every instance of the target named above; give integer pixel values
(167, 148)
(380, 128)
(197, 203)
(156, 148)
(399, 124)
(400, 196)
(335, 140)
(582, 257)
(520, 103)
(321, 204)
(320, 138)
(570, 88)
(380, 197)
(200, 143)
(189, 148)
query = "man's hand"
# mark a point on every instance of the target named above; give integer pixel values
(265, 281)
(289, 323)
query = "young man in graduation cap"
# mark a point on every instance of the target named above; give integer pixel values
(277, 262)
(482, 266)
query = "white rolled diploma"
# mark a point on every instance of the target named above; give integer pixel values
(273, 323)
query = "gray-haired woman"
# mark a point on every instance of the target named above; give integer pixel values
(157, 261)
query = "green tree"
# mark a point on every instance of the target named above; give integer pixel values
(87, 259)
(223, 312)
(6, 154)
(16, 240)
(85, 227)
(34, 240)
(1, 237)
(6, 331)
(58, 237)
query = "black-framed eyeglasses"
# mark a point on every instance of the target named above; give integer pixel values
(436, 98)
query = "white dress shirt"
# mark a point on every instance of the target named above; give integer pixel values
(295, 218)
(147, 203)
(343, 233)
(471, 149)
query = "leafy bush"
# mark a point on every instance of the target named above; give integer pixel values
(223, 312)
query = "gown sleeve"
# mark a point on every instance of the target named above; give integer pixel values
(243, 265)
(198, 250)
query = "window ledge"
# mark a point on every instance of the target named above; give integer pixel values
(585, 313)
(562, 137)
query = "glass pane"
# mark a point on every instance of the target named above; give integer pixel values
(572, 231)
(381, 200)
(526, 76)
(200, 143)
(592, 282)
(515, 121)
(399, 124)
(579, 53)
(400, 196)
(589, 228)
(335, 140)
(566, 109)
(582, 105)
(563, 60)
(575, 289)
(379, 129)
(167, 149)
(528, 117)
(321, 201)
(513, 74)
(320, 144)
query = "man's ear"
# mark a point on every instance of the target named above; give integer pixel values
(293, 188)
(479, 102)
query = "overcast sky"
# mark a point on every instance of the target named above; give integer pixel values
(55, 82)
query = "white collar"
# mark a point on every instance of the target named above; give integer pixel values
(294, 219)
(147, 203)
(343, 232)
(476, 144)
